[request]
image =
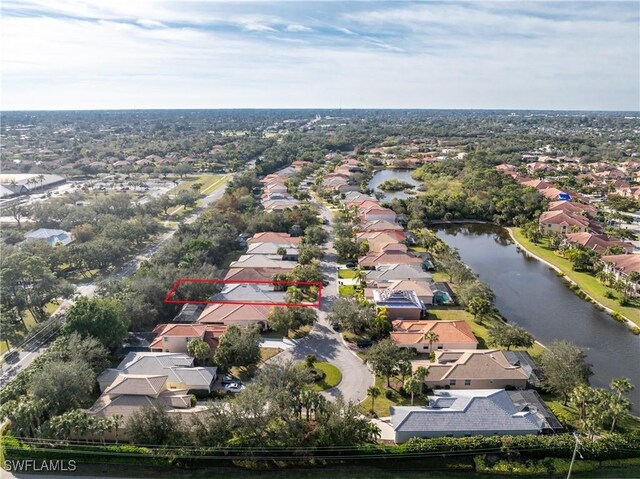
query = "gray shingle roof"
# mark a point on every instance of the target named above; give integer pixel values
(465, 410)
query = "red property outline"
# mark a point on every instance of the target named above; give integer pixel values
(316, 304)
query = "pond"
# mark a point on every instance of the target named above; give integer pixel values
(381, 176)
(530, 294)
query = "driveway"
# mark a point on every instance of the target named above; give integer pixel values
(326, 344)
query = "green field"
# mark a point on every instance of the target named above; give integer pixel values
(346, 273)
(332, 378)
(346, 290)
(588, 283)
(209, 182)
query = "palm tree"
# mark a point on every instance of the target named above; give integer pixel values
(622, 386)
(413, 386)
(579, 397)
(117, 421)
(421, 373)
(294, 295)
(373, 392)
(361, 276)
(617, 408)
(431, 337)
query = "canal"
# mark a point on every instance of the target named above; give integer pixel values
(381, 176)
(531, 295)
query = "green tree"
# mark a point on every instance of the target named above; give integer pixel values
(564, 367)
(413, 387)
(509, 336)
(479, 308)
(239, 347)
(373, 392)
(102, 318)
(351, 314)
(198, 349)
(154, 425)
(384, 358)
(63, 385)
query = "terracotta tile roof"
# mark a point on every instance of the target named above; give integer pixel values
(412, 332)
(252, 274)
(572, 207)
(221, 313)
(380, 225)
(472, 364)
(273, 237)
(389, 257)
(597, 242)
(626, 263)
(559, 217)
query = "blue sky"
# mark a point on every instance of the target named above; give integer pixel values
(84, 54)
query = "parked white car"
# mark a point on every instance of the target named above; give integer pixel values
(234, 387)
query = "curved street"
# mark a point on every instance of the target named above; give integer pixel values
(327, 344)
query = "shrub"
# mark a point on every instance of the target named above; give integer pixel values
(635, 330)
(389, 394)
(609, 294)
(618, 317)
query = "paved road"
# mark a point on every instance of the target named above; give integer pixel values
(326, 344)
(19, 360)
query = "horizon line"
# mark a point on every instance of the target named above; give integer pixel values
(315, 109)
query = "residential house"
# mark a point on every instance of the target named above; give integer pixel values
(555, 194)
(273, 237)
(485, 412)
(597, 242)
(250, 293)
(52, 236)
(473, 369)
(380, 225)
(573, 208)
(421, 288)
(174, 337)
(386, 257)
(624, 267)
(561, 222)
(237, 314)
(252, 274)
(290, 254)
(455, 335)
(263, 261)
(179, 369)
(399, 304)
(377, 212)
(389, 273)
(129, 393)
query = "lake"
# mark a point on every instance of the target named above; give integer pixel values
(381, 176)
(530, 294)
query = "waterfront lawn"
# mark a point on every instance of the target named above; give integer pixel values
(588, 283)
(479, 330)
(569, 415)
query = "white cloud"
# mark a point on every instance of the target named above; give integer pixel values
(131, 54)
(150, 23)
(298, 28)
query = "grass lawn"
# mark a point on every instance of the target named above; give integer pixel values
(418, 249)
(332, 378)
(382, 403)
(479, 330)
(569, 415)
(439, 277)
(210, 183)
(588, 283)
(346, 290)
(268, 353)
(346, 273)
(29, 322)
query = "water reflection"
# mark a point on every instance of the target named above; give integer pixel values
(532, 295)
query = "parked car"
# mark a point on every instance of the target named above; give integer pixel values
(351, 265)
(234, 387)
(364, 343)
(228, 380)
